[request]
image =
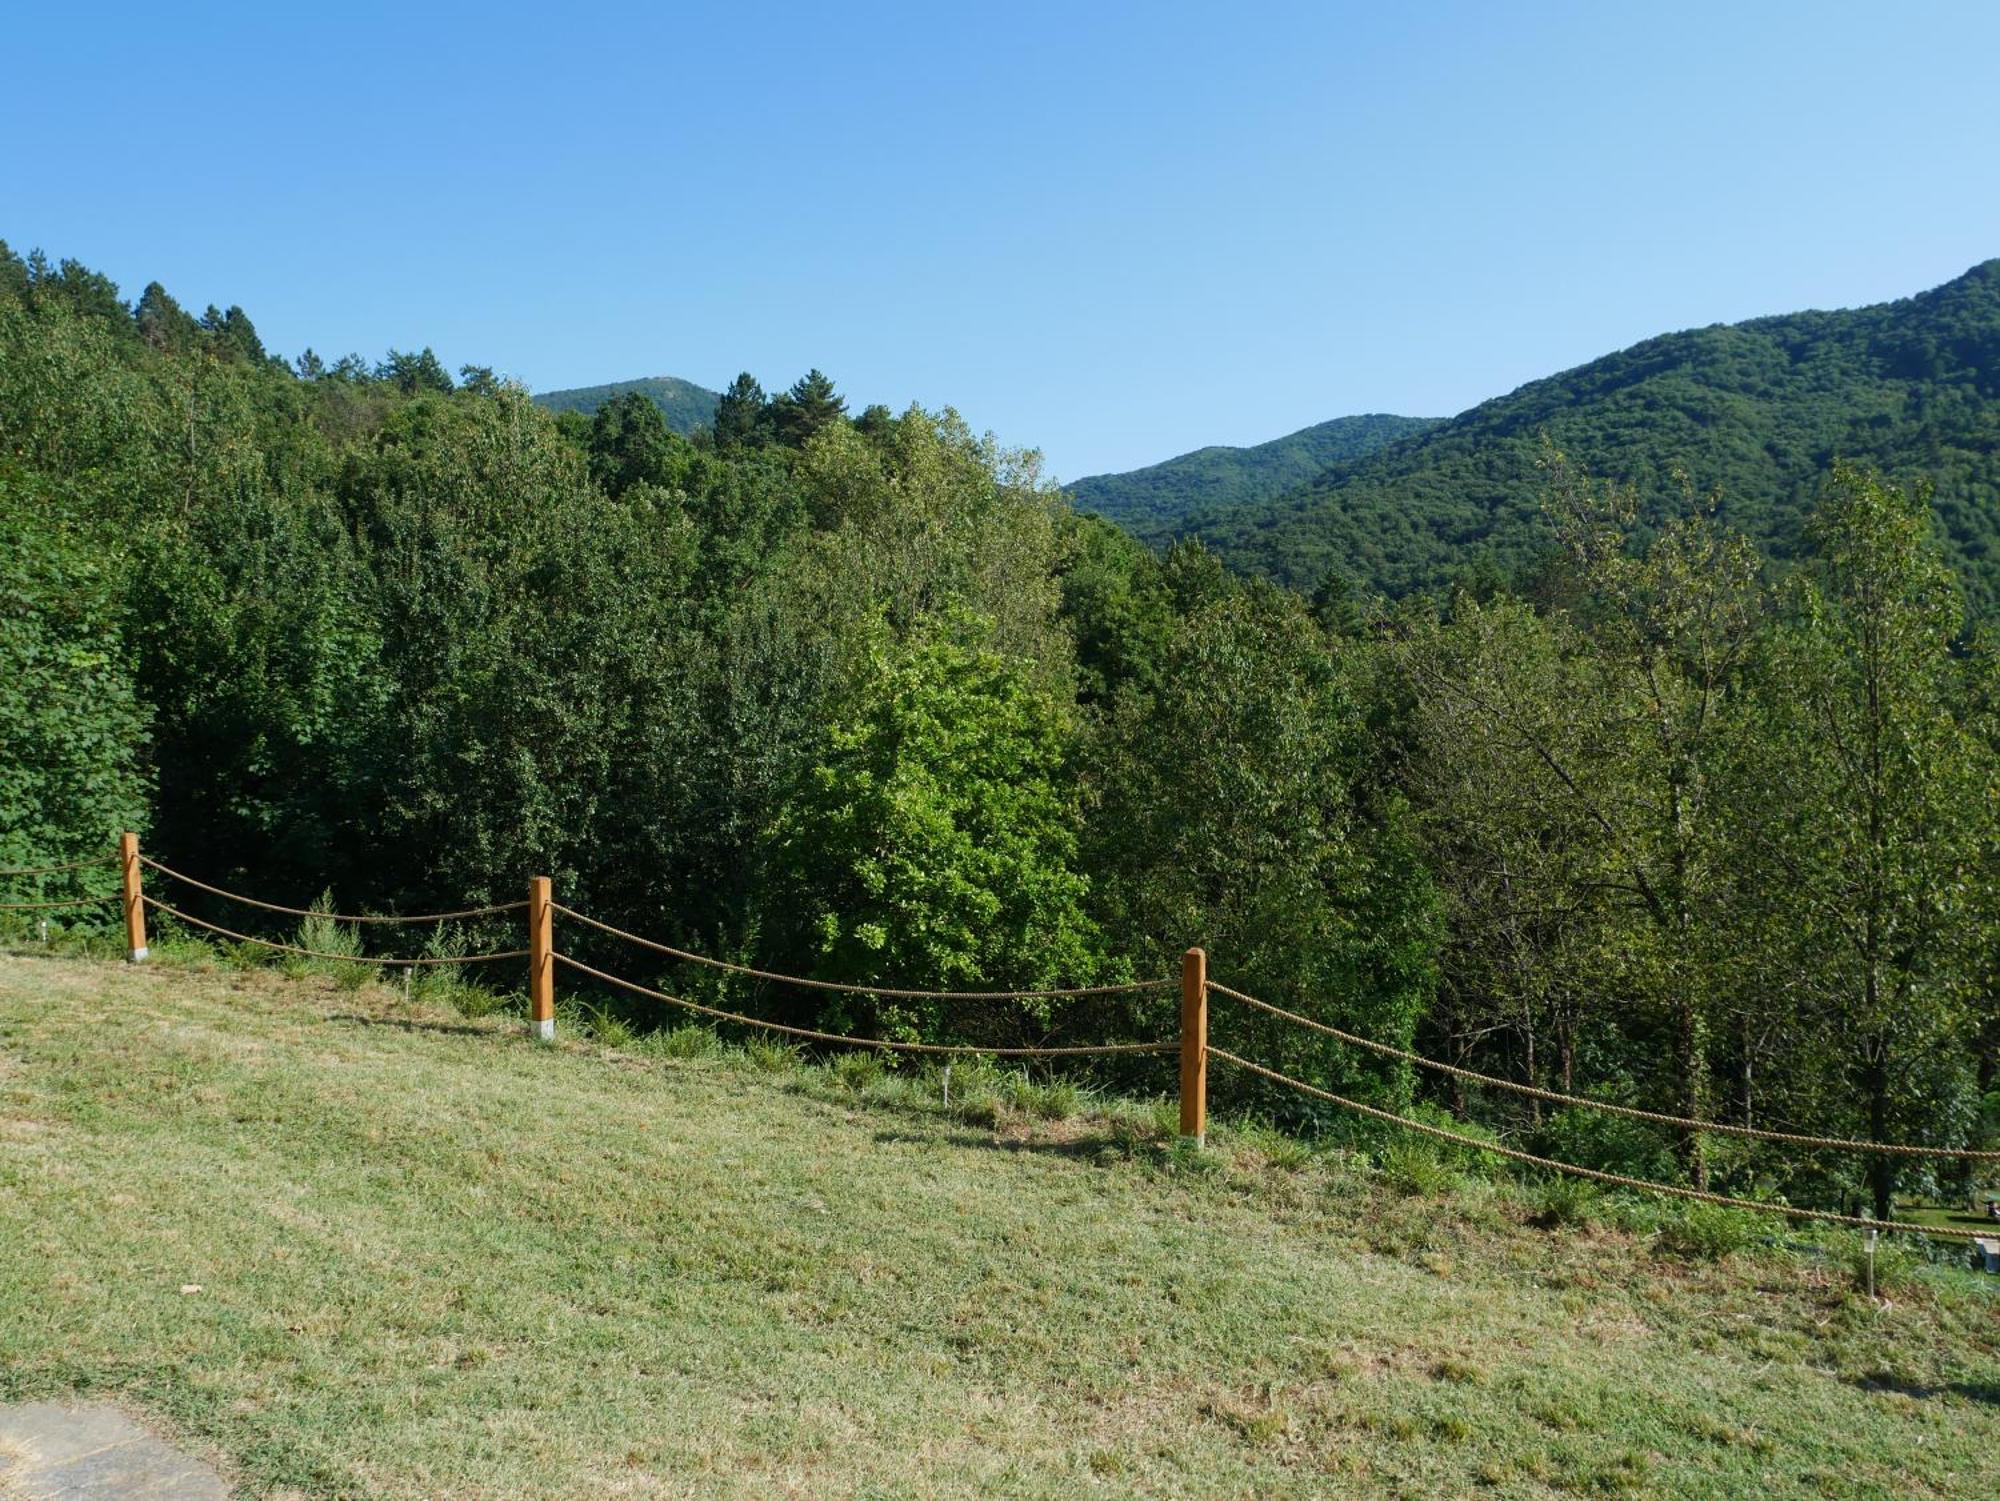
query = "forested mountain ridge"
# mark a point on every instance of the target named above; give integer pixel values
(685, 405)
(1149, 502)
(1756, 410)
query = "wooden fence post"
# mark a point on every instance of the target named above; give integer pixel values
(1194, 1047)
(135, 902)
(541, 959)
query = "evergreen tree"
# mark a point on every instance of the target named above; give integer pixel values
(161, 321)
(740, 414)
(811, 404)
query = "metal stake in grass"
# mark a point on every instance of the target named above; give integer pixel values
(947, 1086)
(1871, 1233)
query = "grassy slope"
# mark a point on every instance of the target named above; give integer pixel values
(434, 1259)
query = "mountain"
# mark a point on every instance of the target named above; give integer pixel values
(1149, 501)
(687, 406)
(1758, 410)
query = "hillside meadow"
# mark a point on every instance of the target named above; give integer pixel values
(348, 1244)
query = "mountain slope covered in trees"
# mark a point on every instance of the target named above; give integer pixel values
(1149, 502)
(1756, 410)
(685, 405)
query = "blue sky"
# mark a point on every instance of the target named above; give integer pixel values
(1111, 232)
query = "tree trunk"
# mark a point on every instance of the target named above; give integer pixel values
(1882, 1173)
(1691, 1043)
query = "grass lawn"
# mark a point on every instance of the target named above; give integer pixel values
(346, 1246)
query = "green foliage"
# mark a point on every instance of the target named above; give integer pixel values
(1233, 815)
(932, 844)
(1152, 502)
(686, 407)
(863, 699)
(71, 724)
(1709, 1232)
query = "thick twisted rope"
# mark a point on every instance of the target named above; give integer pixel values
(877, 1043)
(56, 870)
(879, 990)
(251, 901)
(292, 948)
(1754, 1133)
(68, 901)
(1617, 1180)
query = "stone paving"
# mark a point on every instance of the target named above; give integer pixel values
(53, 1452)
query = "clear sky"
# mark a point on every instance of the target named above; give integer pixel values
(1111, 232)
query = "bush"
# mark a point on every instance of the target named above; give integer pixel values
(1413, 1165)
(859, 1071)
(1563, 1202)
(770, 1056)
(1896, 1266)
(1609, 1143)
(1708, 1232)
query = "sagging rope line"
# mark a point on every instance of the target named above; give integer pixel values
(880, 1044)
(1616, 1179)
(880, 990)
(292, 948)
(1754, 1133)
(56, 870)
(251, 901)
(68, 901)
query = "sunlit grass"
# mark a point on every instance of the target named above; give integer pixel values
(434, 1258)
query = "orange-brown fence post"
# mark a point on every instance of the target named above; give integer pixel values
(1194, 1047)
(541, 958)
(135, 901)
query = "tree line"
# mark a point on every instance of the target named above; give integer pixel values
(859, 696)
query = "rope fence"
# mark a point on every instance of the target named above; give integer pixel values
(1618, 1180)
(57, 870)
(292, 948)
(1192, 1045)
(393, 918)
(1754, 1133)
(1131, 988)
(880, 1044)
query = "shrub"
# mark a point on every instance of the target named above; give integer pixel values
(771, 1056)
(858, 1071)
(1414, 1166)
(1609, 1143)
(1707, 1232)
(1562, 1202)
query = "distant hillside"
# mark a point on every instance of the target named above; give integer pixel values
(687, 406)
(1150, 501)
(1759, 409)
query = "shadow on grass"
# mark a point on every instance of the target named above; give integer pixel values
(415, 1024)
(1986, 1393)
(1082, 1148)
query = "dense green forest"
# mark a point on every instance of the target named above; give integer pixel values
(1152, 502)
(1755, 412)
(859, 695)
(686, 406)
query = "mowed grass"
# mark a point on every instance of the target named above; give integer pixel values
(348, 1247)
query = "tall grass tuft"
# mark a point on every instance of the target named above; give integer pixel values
(321, 933)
